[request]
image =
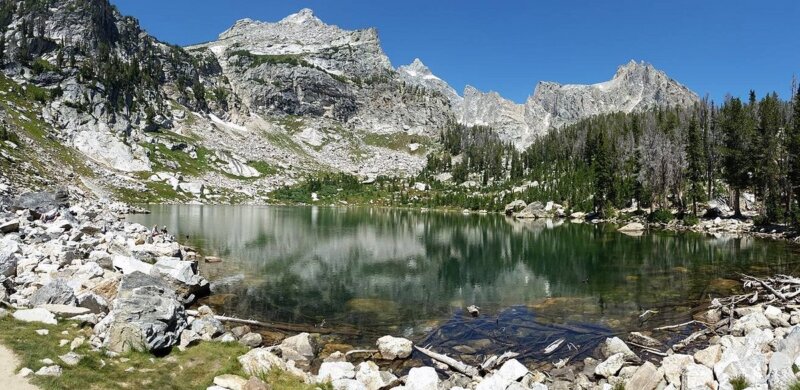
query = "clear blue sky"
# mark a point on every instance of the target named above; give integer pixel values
(715, 47)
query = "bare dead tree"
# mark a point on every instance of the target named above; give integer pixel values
(663, 164)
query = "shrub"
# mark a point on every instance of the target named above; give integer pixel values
(40, 95)
(761, 220)
(40, 66)
(660, 216)
(690, 220)
(739, 383)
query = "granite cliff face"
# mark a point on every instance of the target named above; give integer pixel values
(260, 106)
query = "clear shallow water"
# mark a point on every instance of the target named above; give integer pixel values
(411, 273)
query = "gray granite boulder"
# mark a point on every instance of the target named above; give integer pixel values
(147, 315)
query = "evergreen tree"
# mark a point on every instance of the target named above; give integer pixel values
(737, 160)
(603, 172)
(517, 169)
(460, 172)
(767, 152)
(695, 159)
(793, 149)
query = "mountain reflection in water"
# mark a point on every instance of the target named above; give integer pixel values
(412, 273)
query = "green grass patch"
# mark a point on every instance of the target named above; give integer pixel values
(263, 167)
(255, 60)
(399, 141)
(282, 380)
(156, 192)
(293, 124)
(186, 164)
(193, 369)
(175, 137)
(285, 141)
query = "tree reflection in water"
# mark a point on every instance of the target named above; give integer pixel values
(410, 273)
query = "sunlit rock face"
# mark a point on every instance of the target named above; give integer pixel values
(637, 86)
(298, 94)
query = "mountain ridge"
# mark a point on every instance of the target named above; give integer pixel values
(292, 97)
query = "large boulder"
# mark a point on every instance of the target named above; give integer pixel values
(182, 275)
(791, 344)
(614, 345)
(610, 366)
(697, 377)
(8, 257)
(147, 315)
(331, 371)
(394, 347)
(128, 265)
(646, 377)
(301, 343)
(422, 378)
(750, 322)
(673, 366)
(513, 370)
(709, 356)
(41, 202)
(57, 292)
(252, 340)
(369, 374)
(11, 226)
(515, 207)
(260, 361)
(35, 315)
(207, 327)
(534, 210)
(632, 227)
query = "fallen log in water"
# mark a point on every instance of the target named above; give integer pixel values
(554, 346)
(452, 363)
(284, 327)
(647, 349)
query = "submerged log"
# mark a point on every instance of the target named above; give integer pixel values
(554, 346)
(452, 363)
(284, 327)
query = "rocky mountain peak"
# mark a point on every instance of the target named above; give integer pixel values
(304, 16)
(303, 35)
(418, 67)
(417, 73)
(636, 86)
(632, 67)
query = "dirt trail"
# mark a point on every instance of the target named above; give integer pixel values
(8, 371)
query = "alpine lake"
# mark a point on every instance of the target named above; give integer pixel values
(361, 273)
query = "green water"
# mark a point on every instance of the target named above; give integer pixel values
(411, 273)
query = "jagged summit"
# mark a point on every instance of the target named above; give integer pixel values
(340, 51)
(633, 66)
(417, 73)
(636, 86)
(417, 66)
(304, 16)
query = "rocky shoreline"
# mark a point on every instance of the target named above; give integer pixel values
(717, 220)
(65, 258)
